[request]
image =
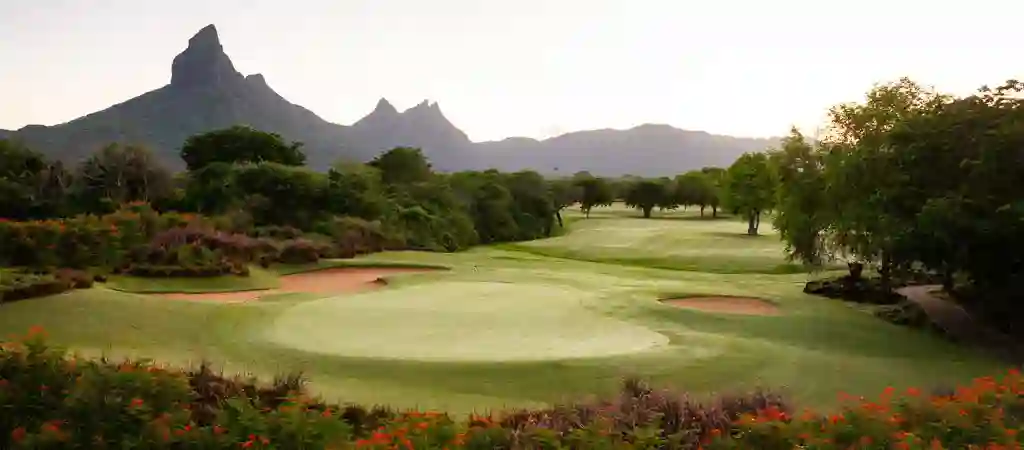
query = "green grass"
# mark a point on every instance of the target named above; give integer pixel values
(258, 279)
(324, 264)
(507, 327)
(679, 240)
(461, 321)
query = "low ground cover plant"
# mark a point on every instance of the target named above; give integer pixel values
(49, 399)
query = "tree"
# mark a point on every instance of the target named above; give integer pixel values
(595, 192)
(646, 194)
(402, 165)
(355, 189)
(749, 188)
(715, 176)
(801, 206)
(859, 174)
(534, 211)
(20, 169)
(564, 193)
(267, 186)
(957, 201)
(492, 212)
(119, 174)
(240, 144)
(696, 188)
(211, 189)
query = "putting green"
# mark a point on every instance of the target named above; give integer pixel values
(460, 321)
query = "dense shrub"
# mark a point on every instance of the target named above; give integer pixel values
(51, 400)
(164, 271)
(75, 279)
(854, 289)
(988, 414)
(301, 251)
(276, 232)
(351, 236)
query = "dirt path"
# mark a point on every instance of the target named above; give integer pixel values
(956, 322)
(329, 281)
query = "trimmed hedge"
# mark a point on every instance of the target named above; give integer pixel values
(25, 286)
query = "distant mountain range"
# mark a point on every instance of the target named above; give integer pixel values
(207, 93)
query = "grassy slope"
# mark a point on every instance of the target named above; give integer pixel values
(817, 348)
(258, 279)
(669, 240)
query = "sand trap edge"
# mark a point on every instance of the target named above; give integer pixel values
(379, 280)
(724, 304)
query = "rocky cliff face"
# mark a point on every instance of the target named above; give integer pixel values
(203, 63)
(206, 92)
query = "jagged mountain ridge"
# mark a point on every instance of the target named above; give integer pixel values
(207, 93)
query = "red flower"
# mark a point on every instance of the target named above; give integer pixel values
(136, 402)
(18, 434)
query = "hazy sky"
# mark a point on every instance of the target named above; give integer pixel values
(517, 67)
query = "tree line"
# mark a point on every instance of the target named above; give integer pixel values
(259, 180)
(912, 180)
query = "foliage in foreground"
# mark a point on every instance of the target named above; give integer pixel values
(51, 400)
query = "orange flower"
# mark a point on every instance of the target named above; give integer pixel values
(913, 392)
(50, 426)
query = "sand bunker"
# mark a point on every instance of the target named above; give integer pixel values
(328, 281)
(726, 305)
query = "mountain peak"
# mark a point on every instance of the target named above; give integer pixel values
(256, 79)
(206, 36)
(384, 107)
(425, 108)
(203, 63)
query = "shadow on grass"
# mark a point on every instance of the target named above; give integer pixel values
(723, 234)
(680, 264)
(707, 218)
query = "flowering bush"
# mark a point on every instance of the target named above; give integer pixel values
(988, 414)
(78, 242)
(51, 400)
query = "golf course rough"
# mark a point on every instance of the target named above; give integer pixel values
(460, 321)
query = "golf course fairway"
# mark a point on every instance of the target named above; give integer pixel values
(528, 324)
